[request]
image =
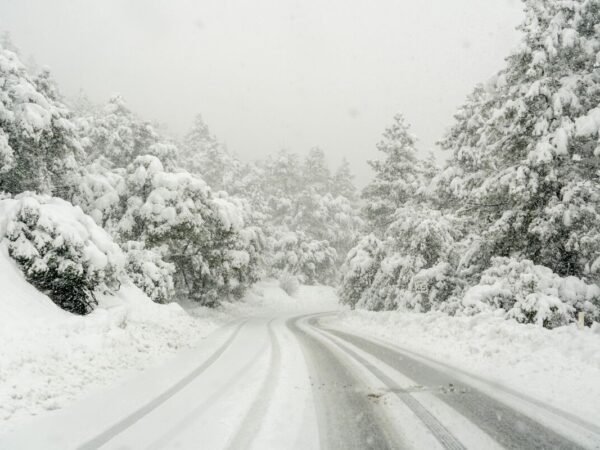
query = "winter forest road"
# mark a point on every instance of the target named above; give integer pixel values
(291, 382)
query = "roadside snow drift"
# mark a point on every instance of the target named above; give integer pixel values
(50, 358)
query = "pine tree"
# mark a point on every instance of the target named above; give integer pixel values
(315, 172)
(525, 151)
(204, 155)
(397, 177)
(6, 42)
(117, 134)
(342, 183)
(284, 174)
(39, 146)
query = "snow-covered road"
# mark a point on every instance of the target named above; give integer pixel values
(285, 381)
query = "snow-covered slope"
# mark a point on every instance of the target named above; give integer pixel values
(21, 302)
(49, 358)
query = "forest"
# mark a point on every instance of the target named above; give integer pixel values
(94, 194)
(178, 273)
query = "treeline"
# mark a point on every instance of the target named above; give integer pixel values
(93, 196)
(511, 223)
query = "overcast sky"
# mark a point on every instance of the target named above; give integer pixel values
(267, 74)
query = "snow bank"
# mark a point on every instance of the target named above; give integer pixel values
(560, 367)
(20, 302)
(49, 358)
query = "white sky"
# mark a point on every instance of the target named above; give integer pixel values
(267, 74)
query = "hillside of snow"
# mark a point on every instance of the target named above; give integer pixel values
(50, 357)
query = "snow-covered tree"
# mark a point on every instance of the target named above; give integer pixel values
(101, 192)
(310, 260)
(284, 174)
(39, 146)
(7, 43)
(149, 271)
(315, 171)
(204, 237)
(327, 218)
(204, 155)
(114, 132)
(413, 267)
(61, 251)
(525, 147)
(342, 182)
(398, 177)
(164, 218)
(359, 270)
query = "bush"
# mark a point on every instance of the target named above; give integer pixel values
(204, 236)
(289, 283)
(530, 293)
(150, 272)
(412, 268)
(61, 251)
(359, 269)
(311, 261)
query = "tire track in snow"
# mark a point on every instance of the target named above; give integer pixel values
(346, 419)
(192, 417)
(128, 421)
(402, 352)
(251, 422)
(507, 426)
(445, 437)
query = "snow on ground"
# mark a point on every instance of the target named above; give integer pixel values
(267, 298)
(50, 358)
(560, 367)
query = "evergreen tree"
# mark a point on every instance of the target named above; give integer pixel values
(117, 134)
(525, 151)
(397, 177)
(315, 172)
(284, 174)
(6, 42)
(342, 183)
(204, 155)
(39, 146)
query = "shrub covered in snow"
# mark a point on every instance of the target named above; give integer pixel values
(413, 267)
(175, 215)
(61, 250)
(101, 193)
(310, 260)
(359, 270)
(205, 237)
(148, 271)
(533, 294)
(327, 218)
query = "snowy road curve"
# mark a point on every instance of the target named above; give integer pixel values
(288, 382)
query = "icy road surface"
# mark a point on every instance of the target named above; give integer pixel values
(287, 382)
